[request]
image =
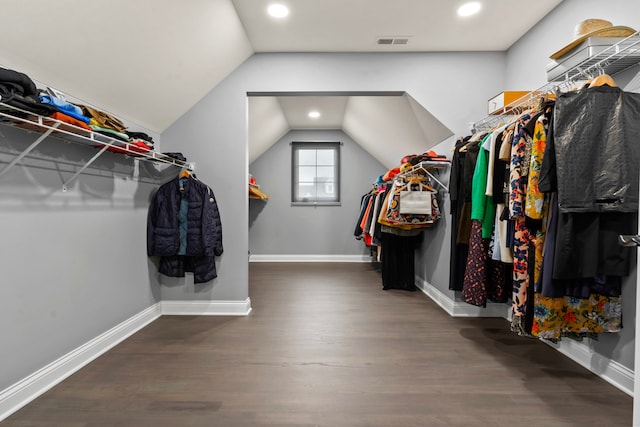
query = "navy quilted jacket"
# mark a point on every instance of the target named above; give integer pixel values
(184, 228)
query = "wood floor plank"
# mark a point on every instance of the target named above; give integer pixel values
(325, 346)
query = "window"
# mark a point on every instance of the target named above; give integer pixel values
(315, 174)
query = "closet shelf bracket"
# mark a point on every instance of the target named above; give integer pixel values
(425, 166)
(444, 187)
(86, 165)
(29, 149)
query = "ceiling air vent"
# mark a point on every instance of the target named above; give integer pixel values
(388, 41)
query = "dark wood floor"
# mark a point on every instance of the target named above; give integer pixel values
(326, 346)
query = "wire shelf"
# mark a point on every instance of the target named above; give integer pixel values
(616, 58)
(48, 127)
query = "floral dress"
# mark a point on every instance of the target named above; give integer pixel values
(555, 317)
(522, 238)
(535, 199)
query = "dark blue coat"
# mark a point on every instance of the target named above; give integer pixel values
(184, 228)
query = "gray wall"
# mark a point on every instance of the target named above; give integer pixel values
(322, 230)
(454, 87)
(433, 255)
(73, 264)
(526, 61)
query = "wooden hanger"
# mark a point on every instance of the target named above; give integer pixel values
(184, 173)
(603, 80)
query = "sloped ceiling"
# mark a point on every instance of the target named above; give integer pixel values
(267, 124)
(391, 127)
(147, 61)
(388, 127)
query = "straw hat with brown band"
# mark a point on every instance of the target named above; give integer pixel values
(593, 28)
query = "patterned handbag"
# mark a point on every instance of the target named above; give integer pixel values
(394, 218)
(415, 202)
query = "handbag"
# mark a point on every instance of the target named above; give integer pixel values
(415, 202)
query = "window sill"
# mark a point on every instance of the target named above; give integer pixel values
(314, 204)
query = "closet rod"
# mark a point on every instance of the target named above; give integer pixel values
(607, 58)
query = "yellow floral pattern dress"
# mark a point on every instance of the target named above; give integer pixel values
(555, 317)
(534, 198)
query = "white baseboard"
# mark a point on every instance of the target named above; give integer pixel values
(29, 388)
(446, 303)
(206, 308)
(309, 258)
(609, 370)
(458, 308)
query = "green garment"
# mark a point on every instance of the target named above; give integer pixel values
(120, 135)
(482, 207)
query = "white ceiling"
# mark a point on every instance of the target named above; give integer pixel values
(150, 61)
(296, 110)
(355, 25)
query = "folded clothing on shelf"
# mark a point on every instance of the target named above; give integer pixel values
(110, 132)
(176, 156)
(19, 91)
(64, 107)
(76, 122)
(141, 135)
(70, 126)
(30, 103)
(430, 155)
(69, 119)
(23, 84)
(131, 148)
(256, 193)
(103, 119)
(390, 174)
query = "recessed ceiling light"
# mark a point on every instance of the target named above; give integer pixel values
(278, 10)
(314, 114)
(470, 8)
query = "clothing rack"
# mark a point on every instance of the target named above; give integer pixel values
(611, 60)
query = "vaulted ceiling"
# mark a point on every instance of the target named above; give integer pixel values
(385, 125)
(150, 61)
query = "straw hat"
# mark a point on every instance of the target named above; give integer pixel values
(593, 28)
